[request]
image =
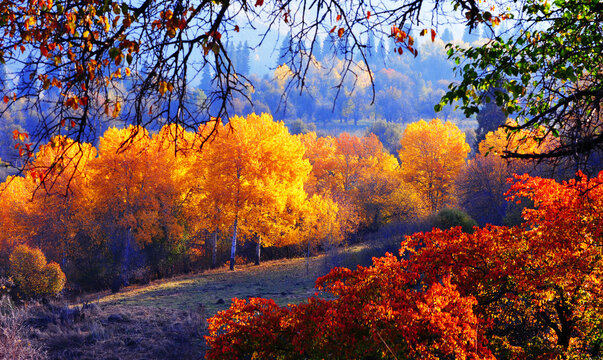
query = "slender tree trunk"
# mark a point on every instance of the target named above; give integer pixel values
(308, 259)
(258, 249)
(214, 248)
(125, 265)
(233, 248)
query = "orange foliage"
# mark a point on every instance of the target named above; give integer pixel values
(361, 177)
(378, 312)
(538, 285)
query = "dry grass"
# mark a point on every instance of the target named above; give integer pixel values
(14, 334)
(163, 320)
(116, 332)
(285, 281)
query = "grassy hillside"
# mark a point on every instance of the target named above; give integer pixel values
(285, 281)
(163, 320)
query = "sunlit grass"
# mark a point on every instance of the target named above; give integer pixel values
(285, 281)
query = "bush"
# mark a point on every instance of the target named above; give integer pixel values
(33, 276)
(448, 218)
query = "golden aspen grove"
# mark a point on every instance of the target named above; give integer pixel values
(148, 206)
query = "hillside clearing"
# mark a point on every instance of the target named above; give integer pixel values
(285, 281)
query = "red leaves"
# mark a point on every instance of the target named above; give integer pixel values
(368, 15)
(21, 136)
(372, 306)
(529, 264)
(506, 275)
(405, 40)
(340, 32)
(259, 2)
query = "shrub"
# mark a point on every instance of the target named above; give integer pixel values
(448, 218)
(375, 312)
(33, 276)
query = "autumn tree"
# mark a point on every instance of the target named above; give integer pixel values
(482, 184)
(537, 285)
(132, 197)
(14, 206)
(376, 312)
(261, 172)
(318, 223)
(432, 154)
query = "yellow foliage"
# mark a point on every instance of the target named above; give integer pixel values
(432, 155)
(501, 141)
(282, 74)
(33, 275)
(261, 172)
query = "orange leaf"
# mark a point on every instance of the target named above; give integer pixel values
(433, 35)
(333, 29)
(423, 32)
(338, 17)
(340, 32)
(6, 99)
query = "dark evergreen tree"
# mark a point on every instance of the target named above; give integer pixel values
(285, 54)
(382, 52)
(447, 36)
(243, 55)
(371, 51)
(206, 78)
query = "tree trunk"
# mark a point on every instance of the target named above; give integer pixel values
(308, 259)
(125, 265)
(233, 248)
(258, 247)
(214, 248)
